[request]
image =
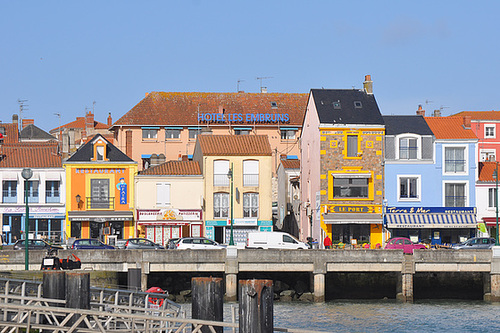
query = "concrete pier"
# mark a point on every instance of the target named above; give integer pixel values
(319, 287)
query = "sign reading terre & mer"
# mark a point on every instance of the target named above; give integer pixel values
(244, 117)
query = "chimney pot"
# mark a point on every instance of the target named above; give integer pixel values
(110, 120)
(368, 84)
(420, 111)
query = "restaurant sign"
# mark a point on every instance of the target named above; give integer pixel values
(430, 210)
(354, 209)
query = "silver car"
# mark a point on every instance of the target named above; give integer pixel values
(197, 243)
(138, 243)
(476, 243)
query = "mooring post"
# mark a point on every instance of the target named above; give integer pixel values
(54, 285)
(256, 306)
(134, 279)
(207, 300)
(405, 285)
(77, 292)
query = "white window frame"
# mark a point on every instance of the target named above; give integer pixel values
(397, 138)
(466, 191)
(251, 173)
(419, 188)
(170, 131)
(152, 134)
(485, 155)
(163, 197)
(486, 127)
(288, 134)
(491, 200)
(221, 207)
(466, 157)
(221, 169)
(250, 207)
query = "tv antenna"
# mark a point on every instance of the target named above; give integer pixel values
(22, 107)
(238, 86)
(428, 102)
(263, 78)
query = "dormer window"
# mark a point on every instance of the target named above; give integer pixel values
(336, 105)
(358, 105)
(274, 105)
(100, 151)
(408, 148)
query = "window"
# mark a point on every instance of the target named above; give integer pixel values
(33, 191)
(487, 155)
(489, 131)
(288, 239)
(52, 191)
(172, 133)
(350, 187)
(454, 159)
(491, 198)
(287, 134)
(274, 105)
(250, 173)
(352, 146)
(241, 132)
(408, 149)
(358, 105)
(455, 195)
(99, 150)
(162, 194)
(408, 188)
(193, 133)
(250, 204)
(99, 191)
(221, 169)
(149, 133)
(221, 205)
(9, 193)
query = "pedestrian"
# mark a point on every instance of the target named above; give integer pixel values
(327, 242)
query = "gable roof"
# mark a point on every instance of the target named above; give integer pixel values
(11, 133)
(177, 168)
(30, 155)
(86, 152)
(395, 125)
(291, 164)
(234, 145)
(182, 108)
(486, 171)
(479, 115)
(32, 132)
(449, 128)
(345, 112)
(79, 123)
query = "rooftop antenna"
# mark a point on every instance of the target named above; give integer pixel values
(59, 143)
(263, 78)
(238, 86)
(428, 102)
(93, 107)
(22, 107)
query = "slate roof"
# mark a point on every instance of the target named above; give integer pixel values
(174, 168)
(395, 125)
(486, 171)
(86, 152)
(234, 145)
(347, 113)
(291, 164)
(479, 115)
(32, 155)
(32, 132)
(182, 108)
(449, 128)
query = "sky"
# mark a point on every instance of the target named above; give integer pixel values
(66, 57)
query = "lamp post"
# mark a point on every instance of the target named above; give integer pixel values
(27, 173)
(230, 176)
(495, 175)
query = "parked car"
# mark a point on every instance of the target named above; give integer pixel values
(36, 244)
(476, 243)
(171, 243)
(138, 243)
(197, 243)
(403, 243)
(90, 244)
(273, 240)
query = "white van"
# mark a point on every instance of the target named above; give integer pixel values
(273, 240)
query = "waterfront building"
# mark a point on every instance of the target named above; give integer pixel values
(486, 186)
(100, 192)
(288, 205)
(342, 166)
(166, 124)
(34, 149)
(238, 192)
(169, 201)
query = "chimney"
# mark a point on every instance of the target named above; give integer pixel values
(128, 143)
(437, 113)
(420, 111)
(15, 118)
(26, 122)
(263, 90)
(147, 94)
(368, 84)
(89, 120)
(110, 120)
(467, 120)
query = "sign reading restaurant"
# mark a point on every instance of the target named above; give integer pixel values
(430, 210)
(244, 118)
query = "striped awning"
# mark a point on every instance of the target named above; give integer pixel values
(431, 220)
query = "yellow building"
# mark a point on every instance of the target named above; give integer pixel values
(100, 192)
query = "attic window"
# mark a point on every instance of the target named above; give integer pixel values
(336, 105)
(274, 105)
(2, 130)
(358, 105)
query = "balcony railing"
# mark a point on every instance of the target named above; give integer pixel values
(221, 180)
(251, 180)
(100, 203)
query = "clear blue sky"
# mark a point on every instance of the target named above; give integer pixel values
(61, 56)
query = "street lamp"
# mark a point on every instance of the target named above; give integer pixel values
(27, 173)
(230, 176)
(495, 175)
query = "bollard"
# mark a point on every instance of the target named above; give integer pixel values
(77, 292)
(207, 300)
(256, 306)
(54, 285)
(134, 279)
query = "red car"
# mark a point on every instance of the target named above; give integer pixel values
(403, 243)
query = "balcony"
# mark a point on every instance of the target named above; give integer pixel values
(100, 203)
(251, 180)
(221, 180)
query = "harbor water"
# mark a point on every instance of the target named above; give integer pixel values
(384, 316)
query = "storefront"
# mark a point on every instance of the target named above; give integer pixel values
(105, 226)
(220, 230)
(160, 225)
(432, 225)
(44, 223)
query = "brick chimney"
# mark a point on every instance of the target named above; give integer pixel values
(467, 120)
(420, 111)
(128, 143)
(26, 122)
(437, 113)
(15, 118)
(89, 120)
(368, 84)
(110, 120)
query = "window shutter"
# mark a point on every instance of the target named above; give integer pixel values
(162, 194)
(390, 149)
(427, 148)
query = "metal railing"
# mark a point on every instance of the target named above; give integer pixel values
(100, 203)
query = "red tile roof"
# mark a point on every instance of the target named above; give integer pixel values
(182, 108)
(30, 155)
(449, 128)
(486, 171)
(234, 145)
(11, 133)
(80, 123)
(291, 164)
(174, 168)
(480, 115)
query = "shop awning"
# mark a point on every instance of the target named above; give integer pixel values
(167, 223)
(341, 218)
(490, 221)
(100, 216)
(431, 220)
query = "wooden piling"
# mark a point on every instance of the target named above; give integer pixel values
(54, 285)
(256, 306)
(77, 292)
(207, 300)
(134, 279)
